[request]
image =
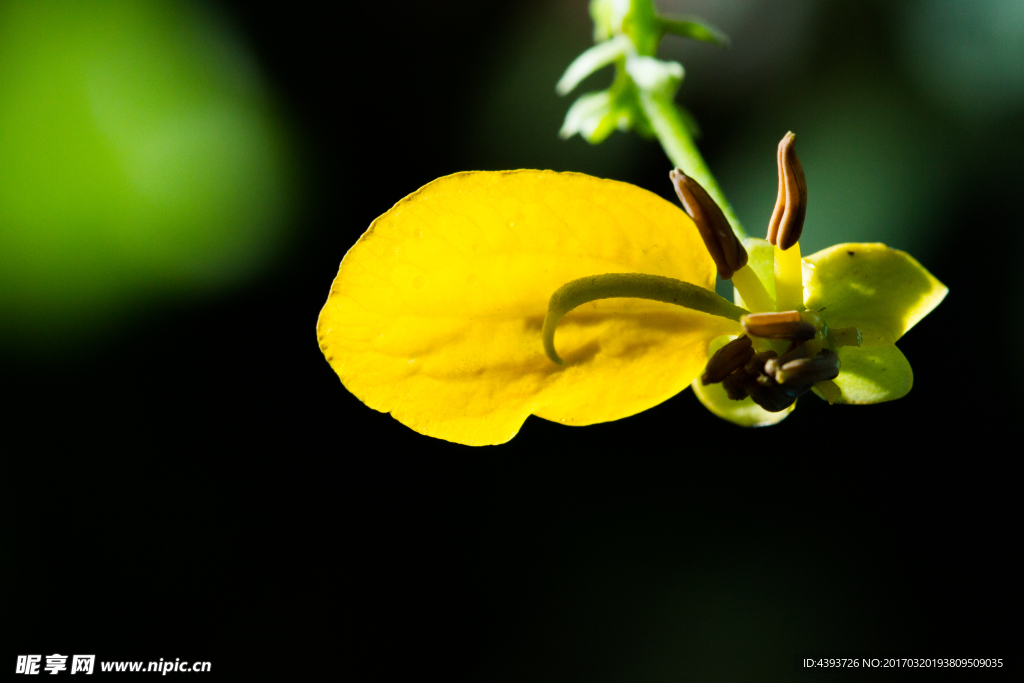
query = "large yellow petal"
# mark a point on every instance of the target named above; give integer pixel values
(882, 291)
(436, 313)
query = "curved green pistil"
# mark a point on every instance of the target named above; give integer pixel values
(630, 286)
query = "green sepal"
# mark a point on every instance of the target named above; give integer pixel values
(873, 374)
(882, 291)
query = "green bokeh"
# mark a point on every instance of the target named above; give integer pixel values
(139, 158)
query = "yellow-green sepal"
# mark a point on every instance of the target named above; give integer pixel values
(881, 291)
(873, 374)
(744, 413)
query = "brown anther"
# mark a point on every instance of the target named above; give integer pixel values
(770, 395)
(733, 385)
(721, 242)
(727, 360)
(774, 382)
(755, 366)
(794, 352)
(802, 373)
(783, 325)
(787, 220)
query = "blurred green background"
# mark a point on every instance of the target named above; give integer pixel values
(141, 160)
(178, 183)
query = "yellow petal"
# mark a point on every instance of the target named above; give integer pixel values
(436, 313)
(882, 291)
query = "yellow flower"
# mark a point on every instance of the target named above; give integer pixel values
(436, 313)
(827, 323)
(444, 312)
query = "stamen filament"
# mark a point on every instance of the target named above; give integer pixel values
(750, 287)
(829, 390)
(789, 279)
(630, 286)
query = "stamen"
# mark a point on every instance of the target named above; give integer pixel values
(738, 385)
(721, 242)
(789, 278)
(762, 388)
(775, 382)
(733, 385)
(787, 221)
(727, 360)
(782, 325)
(770, 396)
(804, 372)
(794, 352)
(755, 366)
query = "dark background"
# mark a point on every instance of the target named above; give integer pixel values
(198, 484)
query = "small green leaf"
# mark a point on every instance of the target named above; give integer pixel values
(597, 57)
(873, 374)
(693, 28)
(882, 291)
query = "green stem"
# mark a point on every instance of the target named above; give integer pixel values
(632, 286)
(679, 146)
